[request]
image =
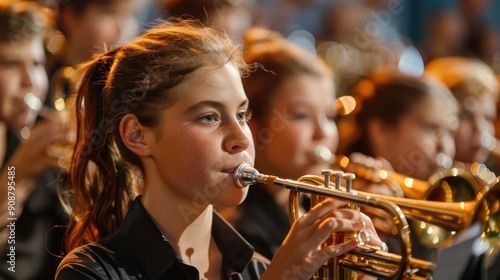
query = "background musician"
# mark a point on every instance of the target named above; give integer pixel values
(23, 146)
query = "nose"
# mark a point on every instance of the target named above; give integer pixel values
(237, 138)
(27, 77)
(323, 128)
(480, 127)
(446, 144)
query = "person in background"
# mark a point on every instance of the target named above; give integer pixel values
(89, 27)
(474, 85)
(81, 29)
(291, 97)
(444, 35)
(408, 122)
(235, 17)
(32, 217)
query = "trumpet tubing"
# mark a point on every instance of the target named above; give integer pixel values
(364, 259)
(63, 99)
(452, 185)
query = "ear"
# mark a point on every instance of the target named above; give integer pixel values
(134, 135)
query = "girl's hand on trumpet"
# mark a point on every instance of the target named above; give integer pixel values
(301, 254)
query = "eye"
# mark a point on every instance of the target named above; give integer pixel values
(430, 127)
(209, 118)
(465, 115)
(298, 116)
(244, 116)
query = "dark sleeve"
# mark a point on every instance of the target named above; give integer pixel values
(92, 261)
(78, 272)
(254, 269)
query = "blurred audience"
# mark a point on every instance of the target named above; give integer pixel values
(84, 27)
(444, 35)
(481, 39)
(235, 17)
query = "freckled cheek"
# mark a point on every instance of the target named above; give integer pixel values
(204, 148)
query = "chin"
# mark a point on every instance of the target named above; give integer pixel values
(481, 157)
(232, 198)
(21, 121)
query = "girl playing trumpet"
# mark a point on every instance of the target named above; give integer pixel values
(169, 111)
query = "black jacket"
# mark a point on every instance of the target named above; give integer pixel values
(137, 250)
(261, 221)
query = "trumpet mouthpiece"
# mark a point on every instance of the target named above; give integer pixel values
(245, 175)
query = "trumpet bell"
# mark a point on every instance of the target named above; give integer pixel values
(487, 211)
(451, 185)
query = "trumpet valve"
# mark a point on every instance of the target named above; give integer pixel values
(337, 174)
(327, 173)
(349, 177)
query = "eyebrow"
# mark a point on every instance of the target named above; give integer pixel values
(211, 103)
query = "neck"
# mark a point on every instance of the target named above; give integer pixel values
(186, 227)
(169, 214)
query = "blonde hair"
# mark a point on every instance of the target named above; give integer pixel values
(465, 75)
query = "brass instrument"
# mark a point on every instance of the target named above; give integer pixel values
(454, 216)
(363, 259)
(450, 185)
(64, 104)
(461, 185)
(63, 98)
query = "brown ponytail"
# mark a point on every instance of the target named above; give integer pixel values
(102, 204)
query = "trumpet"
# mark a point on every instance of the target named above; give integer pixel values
(450, 185)
(363, 259)
(453, 184)
(64, 100)
(454, 216)
(65, 106)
